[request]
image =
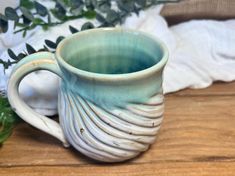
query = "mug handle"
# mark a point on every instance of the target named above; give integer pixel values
(33, 62)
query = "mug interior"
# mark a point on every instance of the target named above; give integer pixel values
(111, 51)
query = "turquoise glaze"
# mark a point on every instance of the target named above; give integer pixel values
(102, 54)
(110, 99)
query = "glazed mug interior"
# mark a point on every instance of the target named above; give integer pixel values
(111, 52)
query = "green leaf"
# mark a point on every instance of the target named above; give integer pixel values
(1, 61)
(51, 44)
(45, 48)
(3, 23)
(59, 39)
(26, 21)
(5, 132)
(100, 18)
(125, 5)
(87, 25)
(123, 15)
(8, 119)
(112, 17)
(104, 5)
(89, 5)
(27, 14)
(21, 56)
(11, 14)
(30, 49)
(4, 64)
(12, 54)
(2, 17)
(73, 29)
(27, 4)
(60, 7)
(136, 10)
(59, 11)
(41, 9)
(90, 14)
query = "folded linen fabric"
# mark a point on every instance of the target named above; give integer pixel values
(201, 51)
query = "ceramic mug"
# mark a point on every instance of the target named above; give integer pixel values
(110, 97)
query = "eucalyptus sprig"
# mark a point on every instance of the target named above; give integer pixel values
(8, 119)
(31, 13)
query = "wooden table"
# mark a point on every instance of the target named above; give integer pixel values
(197, 138)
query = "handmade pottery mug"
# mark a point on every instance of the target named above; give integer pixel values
(110, 97)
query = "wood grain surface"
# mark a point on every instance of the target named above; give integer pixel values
(197, 138)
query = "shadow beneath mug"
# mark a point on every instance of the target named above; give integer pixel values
(35, 138)
(31, 134)
(88, 160)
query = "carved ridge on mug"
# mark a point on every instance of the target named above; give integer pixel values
(109, 134)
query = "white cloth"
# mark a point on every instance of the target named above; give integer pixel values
(201, 51)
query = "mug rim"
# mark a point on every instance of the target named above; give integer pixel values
(123, 76)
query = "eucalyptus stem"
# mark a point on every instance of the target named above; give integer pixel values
(38, 24)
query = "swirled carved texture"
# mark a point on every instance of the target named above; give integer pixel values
(109, 134)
